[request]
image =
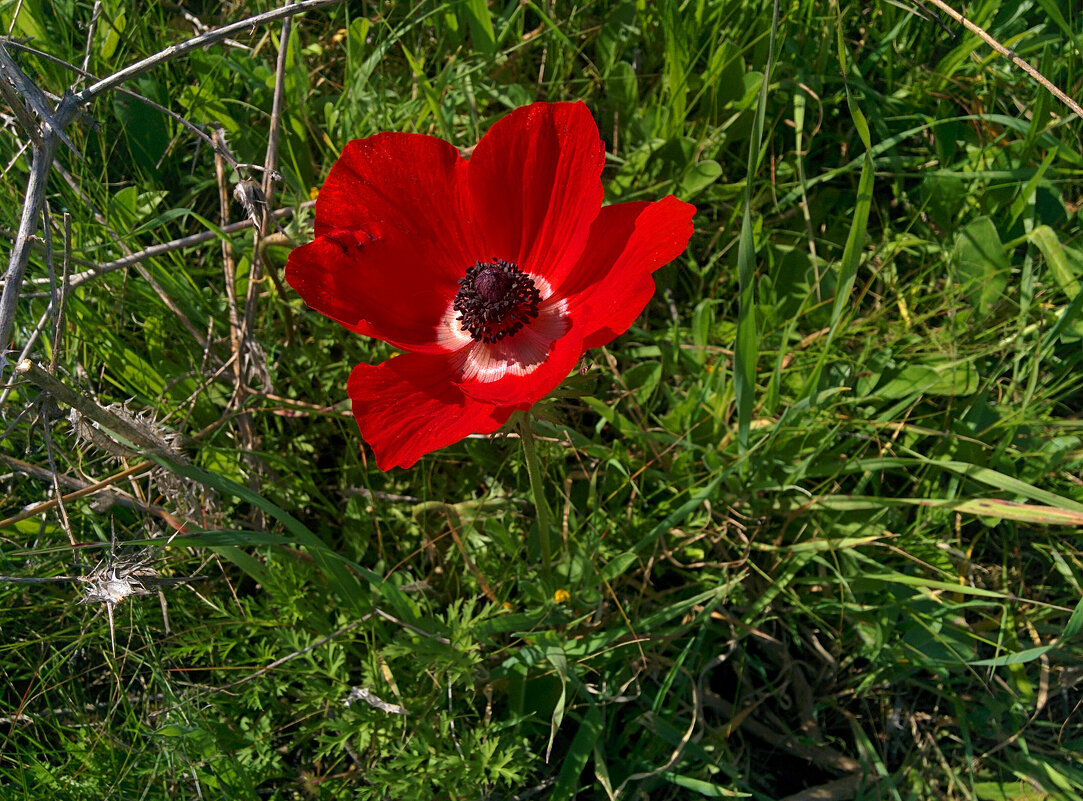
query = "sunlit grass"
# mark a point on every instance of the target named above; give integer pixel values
(860, 572)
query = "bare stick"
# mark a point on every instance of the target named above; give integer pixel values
(88, 407)
(89, 489)
(97, 11)
(156, 250)
(270, 162)
(65, 285)
(177, 118)
(1011, 56)
(22, 116)
(58, 498)
(20, 251)
(229, 268)
(270, 171)
(116, 494)
(52, 123)
(203, 40)
(50, 261)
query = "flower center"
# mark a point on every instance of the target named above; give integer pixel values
(495, 300)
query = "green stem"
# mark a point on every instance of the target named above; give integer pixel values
(533, 469)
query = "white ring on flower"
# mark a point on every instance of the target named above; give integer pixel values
(517, 355)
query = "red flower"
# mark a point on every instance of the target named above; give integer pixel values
(494, 274)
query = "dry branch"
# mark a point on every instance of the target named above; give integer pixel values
(195, 43)
(53, 123)
(1010, 55)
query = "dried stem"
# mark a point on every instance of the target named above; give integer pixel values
(53, 123)
(52, 132)
(85, 405)
(228, 265)
(195, 43)
(116, 495)
(191, 127)
(94, 14)
(88, 489)
(156, 250)
(1011, 56)
(42, 160)
(270, 163)
(61, 302)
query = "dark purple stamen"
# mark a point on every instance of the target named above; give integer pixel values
(495, 300)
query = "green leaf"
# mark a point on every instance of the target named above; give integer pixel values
(333, 566)
(481, 26)
(746, 348)
(951, 379)
(1075, 622)
(981, 264)
(1018, 658)
(555, 655)
(622, 87)
(677, 516)
(698, 178)
(705, 789)
(1065, 271)
(113, 26)
(617, 565)
(982, 507)
(643, 379)
(588, 733)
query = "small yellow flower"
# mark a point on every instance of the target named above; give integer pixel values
(562, 596)
(313, 192)
(508, 607)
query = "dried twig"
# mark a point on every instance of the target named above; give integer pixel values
(90, 489)
(94, 14)
(135, 436)
(228, 265)
(80, 278)
(59, 303)
(192, 128)
(195, 43)
(53, 123)
(83, 488)
(1010, 55)
(270, 174)
(42, 161)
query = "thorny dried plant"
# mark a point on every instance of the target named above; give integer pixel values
(118, 577)
(187, 497)
(136, 433)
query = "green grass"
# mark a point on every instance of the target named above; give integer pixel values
(819, 510)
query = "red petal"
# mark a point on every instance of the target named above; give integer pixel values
(406, 187)
(535, 180)
(408, 406)
(352, 285)
(520, 392)
(612, 282)
(391, 239)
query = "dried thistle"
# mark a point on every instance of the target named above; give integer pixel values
(373, 700)
(250, 195)
(186, 496)
(110, 583)
(151, 433)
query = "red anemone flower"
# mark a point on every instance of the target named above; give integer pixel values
(493, 274)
